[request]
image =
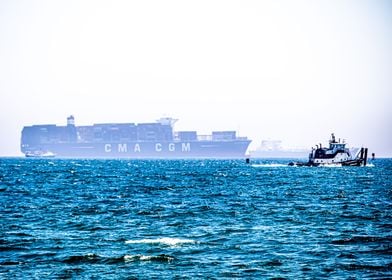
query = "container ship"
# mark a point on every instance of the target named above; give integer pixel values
(129, 140)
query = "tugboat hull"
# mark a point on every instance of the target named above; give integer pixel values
(345, 163)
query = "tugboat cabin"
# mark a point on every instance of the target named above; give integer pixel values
(336, 153)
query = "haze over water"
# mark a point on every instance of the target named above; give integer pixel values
(193, 218)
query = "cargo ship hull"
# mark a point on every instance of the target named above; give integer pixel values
(191, 149)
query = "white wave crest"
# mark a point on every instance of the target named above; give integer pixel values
(331, 165)
(131, 258)
(269, 165)
(262, 228)
(165, 241)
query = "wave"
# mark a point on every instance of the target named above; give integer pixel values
(10, 263)
(96, 259)
(165, 241)
(362, 239)
(158, 258)
(262, 228)
(89, 258)
(355, 266)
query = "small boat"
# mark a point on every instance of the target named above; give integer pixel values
(337, 154)
(40, 154)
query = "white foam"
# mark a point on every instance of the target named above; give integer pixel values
(165, 240)
(145, 258)
(262, 228)
(270, 165)
(331, 165)
(131, 258)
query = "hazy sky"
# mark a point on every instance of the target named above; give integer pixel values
(289, 70)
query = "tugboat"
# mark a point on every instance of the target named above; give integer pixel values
(336, 155)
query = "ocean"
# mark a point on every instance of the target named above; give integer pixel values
(164, 219)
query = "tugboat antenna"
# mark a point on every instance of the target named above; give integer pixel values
(333, 138)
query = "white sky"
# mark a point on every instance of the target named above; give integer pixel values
(289, 70)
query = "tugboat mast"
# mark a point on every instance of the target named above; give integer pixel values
(332, 139)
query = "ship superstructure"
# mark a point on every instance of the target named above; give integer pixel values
(275, 149)
(130, 140)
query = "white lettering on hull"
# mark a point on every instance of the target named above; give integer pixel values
(171, 147)
(122, 148)
(158, 147)
(186, 147)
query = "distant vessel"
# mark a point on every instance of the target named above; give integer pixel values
(335, 154)
(130, 140)
(274, 149)
(40, 154)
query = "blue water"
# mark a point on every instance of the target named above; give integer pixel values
(127, 219)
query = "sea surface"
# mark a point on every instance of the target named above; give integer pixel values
(164, 219)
